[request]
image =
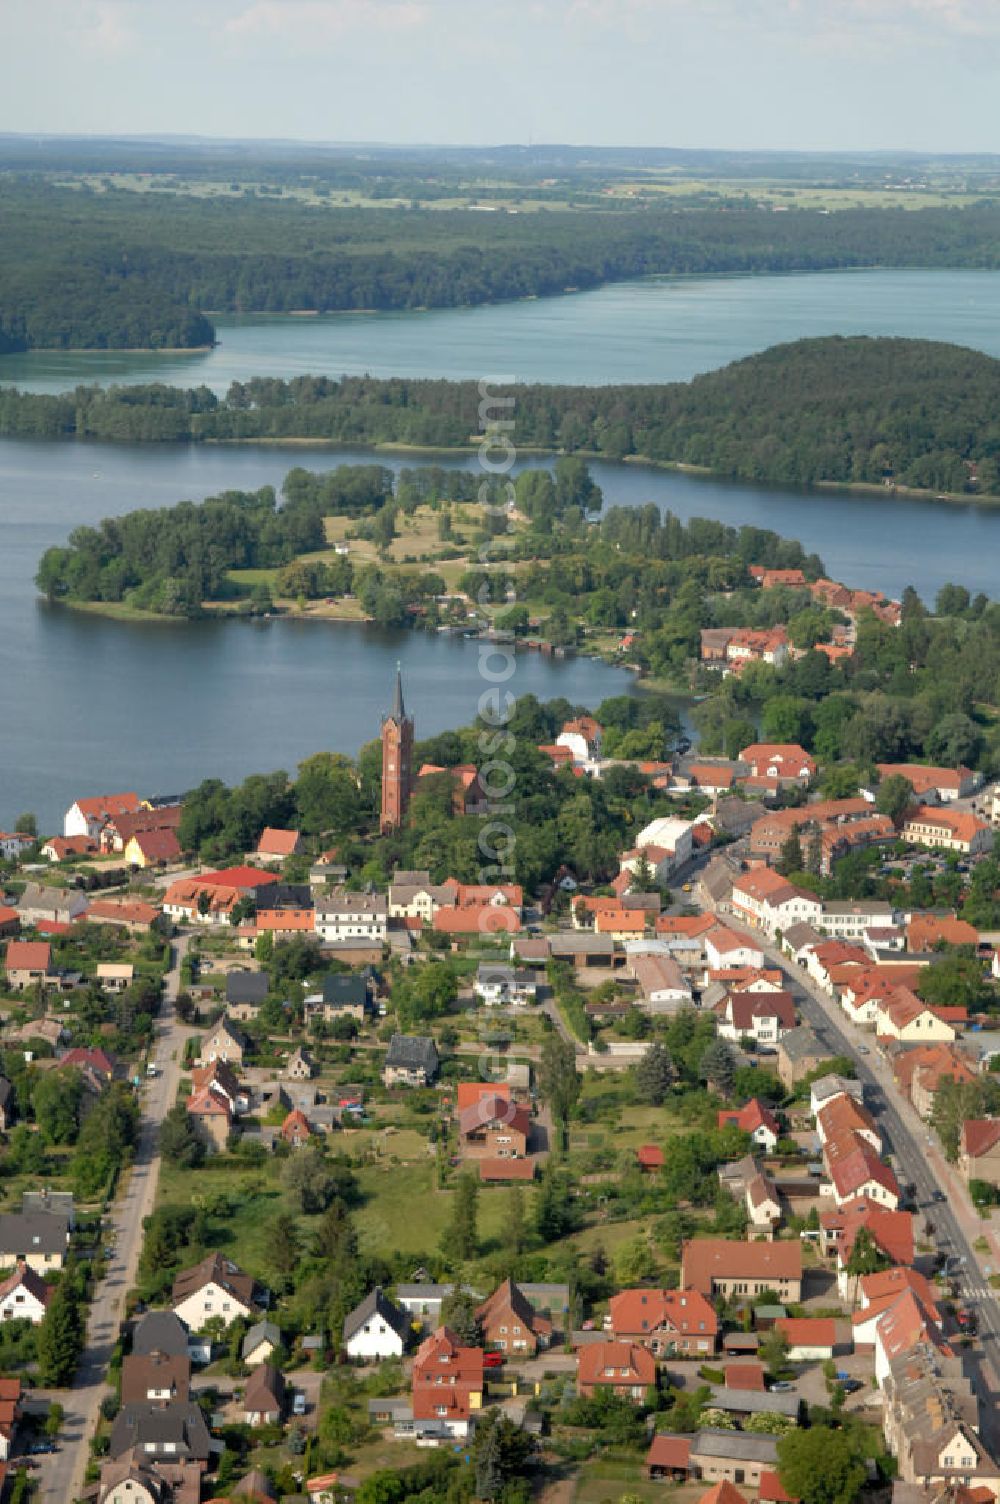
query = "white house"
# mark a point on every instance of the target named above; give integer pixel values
(671, 835)
(377, 1328)
(24, 1296)
(661, 982)
(346, 916)
(761, 1016)
(724, 949)
(12, 843)
(87, 817)
(499, 985)
(584, 738)
(215, 1287)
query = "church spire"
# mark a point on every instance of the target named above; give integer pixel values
(398, 710)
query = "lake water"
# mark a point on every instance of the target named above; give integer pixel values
(93, 704)
(660, 329)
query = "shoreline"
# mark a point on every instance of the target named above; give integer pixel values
(643, 461)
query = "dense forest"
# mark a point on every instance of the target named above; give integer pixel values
(124, 265)
(839, 409)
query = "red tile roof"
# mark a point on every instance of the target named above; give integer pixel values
(703, 1259)
(745, 1376)
(979, 1136)
(807, 1331)
(671, 1452)
(237, 877)
(650, 1156)
(274, 842)
(636, 1312)
(596, 1357)
(28, 955)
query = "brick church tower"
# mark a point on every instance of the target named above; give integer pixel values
(397, 752)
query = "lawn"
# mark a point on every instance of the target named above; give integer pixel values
(406, 1211)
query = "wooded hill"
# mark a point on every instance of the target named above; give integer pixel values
(111, 269)
(857, 409)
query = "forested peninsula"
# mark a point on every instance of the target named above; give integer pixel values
(857, 410)
(113, 270)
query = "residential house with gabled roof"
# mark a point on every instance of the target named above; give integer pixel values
(296, 1130)
(211, 1116)
(906, 1017)
(261, 1340)
(264, 1397)
(38, 905)
(162, 1434)
(160, 1332)
(345, 915)
(855, 1169)
(223, 1042)
(622, 1368)
(275, 845)
(723, 1266)
(584, 739)
(930, 1421)
(920, 1069)
(214, 1287)
(38, 1239)
(979, 1150)
(245, 993)
(767, 901)
(890, 1231)
(725, 1457)
(411, 1060)
(24, 1295)
(668, 1322)
(376, 1328)
(761, 1016)
(754, 1118)
(447, 1385)
(784, 762)
(878, 1293)
(510, 1324)
(842, 1114)
(947, 830)
(925, 932)
(159, 1378)
(494, 1127)
(931, 784)
(152, 848)
(28, 963)
(87, 817)
(800, 1052)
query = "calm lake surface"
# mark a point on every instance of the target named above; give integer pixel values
(660, 329)
(94, 704)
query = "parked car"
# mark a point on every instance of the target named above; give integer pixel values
(783, 1386)
(493, 1360)
(298, 1403)
(851, 1386)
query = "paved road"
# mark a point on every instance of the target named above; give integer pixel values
(920, 1162)
(61, 1475)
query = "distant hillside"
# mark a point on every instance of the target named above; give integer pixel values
(859, 410)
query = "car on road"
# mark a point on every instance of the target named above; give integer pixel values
(863, 1049)
(967, 1321)
(938, 1195)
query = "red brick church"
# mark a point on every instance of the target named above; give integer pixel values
(397, 756)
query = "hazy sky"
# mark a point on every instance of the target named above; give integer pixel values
(860, 74)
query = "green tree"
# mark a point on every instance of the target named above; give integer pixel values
(866, 1257)
(821, 1465)
(458, 1313)
(791, 858)
(500, 1452)
(773, 1350)
(26, 824)
(894, 797)
(56, 1099)
(60, 1337)
(717, 1066)
(459, 1240)
(654, 1074)
(179, 1141)
(558, 1079)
